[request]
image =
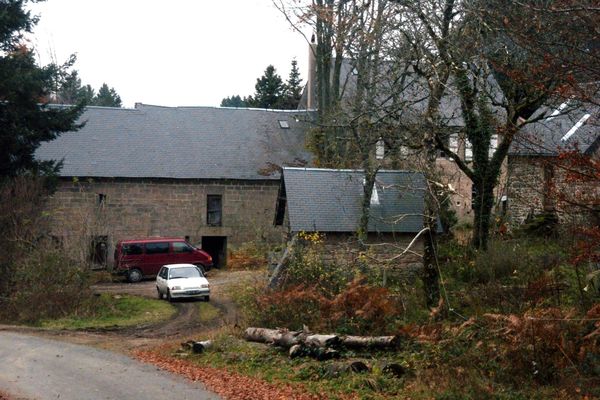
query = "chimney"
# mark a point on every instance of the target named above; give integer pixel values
(311, 81)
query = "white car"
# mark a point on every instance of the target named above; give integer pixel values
(182, 281)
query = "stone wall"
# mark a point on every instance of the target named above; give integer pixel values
(538, 184)
(121, 208)
(525, 188)
(381, 250)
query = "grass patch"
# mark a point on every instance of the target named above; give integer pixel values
(455, 369)
(113, 311)
(207, 312)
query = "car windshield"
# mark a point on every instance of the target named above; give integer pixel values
(186, 272)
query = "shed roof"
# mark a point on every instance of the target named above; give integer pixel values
(181, 143)
(330, 200)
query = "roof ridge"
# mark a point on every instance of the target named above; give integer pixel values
(275, 110)
(395, 171)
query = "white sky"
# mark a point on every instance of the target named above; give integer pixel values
(171, 53)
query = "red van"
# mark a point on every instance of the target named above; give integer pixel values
(139, 258)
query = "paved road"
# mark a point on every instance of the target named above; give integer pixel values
(37, 368)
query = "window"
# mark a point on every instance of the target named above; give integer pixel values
(468, 151)
(187, 272)
(493, 145)
(163, 273)
(157, 248)
(380, 149)
(181, 247)
(99, 250)
(132, 249)
(453, 143)
(214, 210)
(404, 151)
(101, 199)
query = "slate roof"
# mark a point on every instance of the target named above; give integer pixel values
(329, 200)
(563, 131)
(181, 143)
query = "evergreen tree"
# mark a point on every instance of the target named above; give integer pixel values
(107, 97)
(25, 88)
(293, 88)
(235, 101)
(86, 94)
(269, 89)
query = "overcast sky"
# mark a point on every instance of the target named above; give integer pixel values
(171, 53)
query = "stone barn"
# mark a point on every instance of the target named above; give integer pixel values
(209, 174)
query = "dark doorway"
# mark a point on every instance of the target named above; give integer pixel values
(216, 246)
(99, 250)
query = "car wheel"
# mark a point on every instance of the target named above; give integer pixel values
(169, 298)
(160, 295)
(134, 275)
(206, 298)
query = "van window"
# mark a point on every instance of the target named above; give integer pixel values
(157, 248)
(181, 247)
(132, 249)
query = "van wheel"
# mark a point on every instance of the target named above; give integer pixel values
(201, 268)
(169, 298)
(134, 275)
(160, 295)
(206, 298)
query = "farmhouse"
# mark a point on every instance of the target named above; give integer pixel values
(539, 178)
(209, 174)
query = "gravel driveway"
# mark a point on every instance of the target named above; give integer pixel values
(39, 368)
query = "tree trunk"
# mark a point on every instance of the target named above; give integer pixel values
(369, 182)
(430, 270)
(483, 203)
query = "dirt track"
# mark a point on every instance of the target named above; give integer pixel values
(186, 323)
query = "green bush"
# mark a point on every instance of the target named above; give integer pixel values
(44, 285)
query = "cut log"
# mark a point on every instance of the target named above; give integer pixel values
(263, 335)
(339, 368)
(394, 369)
(196, 347)
(372, 342)
(323, 340)
(289, 339)
(200, 347)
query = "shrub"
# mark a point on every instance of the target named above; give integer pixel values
(38, 280)
(358, 309)
(46, 285)
(248, 256)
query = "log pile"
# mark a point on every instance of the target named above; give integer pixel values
(322, 347)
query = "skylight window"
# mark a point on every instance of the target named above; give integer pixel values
(575, 127)
(558, 110)
(374, 196)
(283, 124)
